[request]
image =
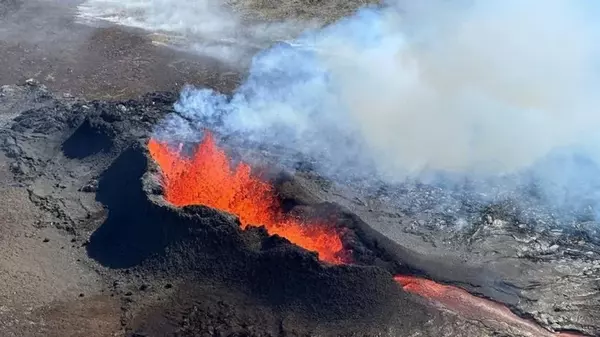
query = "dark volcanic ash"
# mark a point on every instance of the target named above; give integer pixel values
(493, 98)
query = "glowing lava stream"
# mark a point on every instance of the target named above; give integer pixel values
(206, 178)
(471, 306)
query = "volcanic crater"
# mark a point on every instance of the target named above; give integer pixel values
(200, 244)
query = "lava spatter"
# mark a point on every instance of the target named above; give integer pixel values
(207, 178)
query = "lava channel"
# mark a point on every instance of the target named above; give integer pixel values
(207, 178)
(470, 306)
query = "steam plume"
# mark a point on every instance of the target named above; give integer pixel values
(207, 27)
(478, 89)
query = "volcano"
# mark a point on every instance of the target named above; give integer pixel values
(206, 178)
(193, 239)
(131, 212)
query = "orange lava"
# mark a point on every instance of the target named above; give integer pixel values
(206, 178)
(470, 306)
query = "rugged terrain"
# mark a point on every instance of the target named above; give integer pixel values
(43, 40)
(93, 249)
(89, 247)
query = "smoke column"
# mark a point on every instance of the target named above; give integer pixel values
(500, 92)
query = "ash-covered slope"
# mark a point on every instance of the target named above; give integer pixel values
(191, 271)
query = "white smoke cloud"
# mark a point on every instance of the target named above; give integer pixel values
(462, 87)
(494, 86)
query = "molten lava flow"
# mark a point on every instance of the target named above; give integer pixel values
(470, 306)
(206, 178)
